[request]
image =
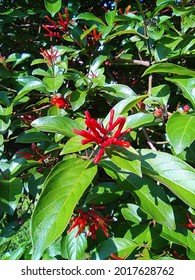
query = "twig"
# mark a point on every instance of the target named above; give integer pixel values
(135, 61)
(149, 141)
(150, 84)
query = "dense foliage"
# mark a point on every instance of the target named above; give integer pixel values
(97, 129)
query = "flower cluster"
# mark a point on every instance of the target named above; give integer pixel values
(90, 221)
(104, 137)
(60, 102)
(190, 224)
(36, 154)
(55, 29)
(93, 37)
(50, 55)
(27, 119)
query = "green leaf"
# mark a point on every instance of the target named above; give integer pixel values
(96, 64)
(169, 68)
(40, 72)
(15, 255)
(77, 99)
(125, 105)
(119, 90)
(32, 136)
(155, 33)
(62, 190)
(120, 246)
(53, 6)
(10, 194)
(180, 236)
(132, 213)
(86, 32)
(104, 192)
(149, 196)
(126, 158)
(17, 58)
(172, 172)
(139, 120)
(181, 131)
(89, 16)
(160, 2)
(74, 145)
(19, 164)
(124, 32)
(73, 247)
(161, 94)
(61, 125)
(187, 85)
(109, 17)
(33, 84)
(38, 61)
(52, 84)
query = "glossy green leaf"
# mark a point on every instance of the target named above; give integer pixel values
(180, 236)
(74, 145)
(40, 72)
(53, 6)
(187, 86)
(95, 65)
(169, 68)
(52, 84)
(161, 94)
(140, 234)
(118, 246)
(10, 194)
(33, 84)
(125, 105)
(119, 90)
(15, 255)
(61, 125)
(32, 136)
(62, 190)
(149, 196)
(155, 33)
(110, 16)
(160, 2)
(139, 120)
(17, 58)
(172, 172)
(20, 164)
(181, 131)
(127, 159)
(90, 16)
(77, 99)
(104, 192)
(86, 32)
(5, 118)
(132, 213)
(123, 32)
(73, 247)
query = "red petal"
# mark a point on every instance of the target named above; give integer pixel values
(99, 155)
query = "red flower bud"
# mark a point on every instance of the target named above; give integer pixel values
(158, 113)
(186, 108)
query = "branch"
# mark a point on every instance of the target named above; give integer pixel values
(149, 141)
(135, 61)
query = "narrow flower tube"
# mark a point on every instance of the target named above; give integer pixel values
(99, 156)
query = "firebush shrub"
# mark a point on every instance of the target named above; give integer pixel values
(97, 130)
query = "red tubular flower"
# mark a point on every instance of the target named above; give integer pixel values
(27, 119)
(55, 29)
(60, 102)
(50, 55)
(90, 221)
(189, 225)
(103, 137)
